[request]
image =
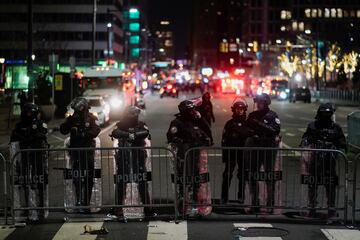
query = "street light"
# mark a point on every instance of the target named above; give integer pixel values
(108, 42)
(298, 77)
(33, 57)
(2, 60)
(307, 31)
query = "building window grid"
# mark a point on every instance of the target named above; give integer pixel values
(329, 13)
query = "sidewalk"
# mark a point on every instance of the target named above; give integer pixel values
(6, 126)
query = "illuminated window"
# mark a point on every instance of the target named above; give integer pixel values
(314, 13)
(135, 52)
(319, 12)
(294, 26)
(168, 43)
(134, 39)
(358, 13)
(327, 13)
(339, 13)
(333, 13)
(308, 13)
(134, 27)
(134, 13)
(301, 26)
(346, 13)
(352, 13)
(283, 28)
(285, 14)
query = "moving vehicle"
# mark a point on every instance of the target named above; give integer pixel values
(156, 86)
(232, 85)
(300, 94)
(169, 89)
(279, 89)
(98, 107)
(106, 82)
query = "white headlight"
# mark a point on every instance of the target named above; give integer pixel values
(283, 95)
(115, 102)
(68, 114)
(259, 91)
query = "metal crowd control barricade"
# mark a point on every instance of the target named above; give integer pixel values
(60, 175)
(356, 191)
(353, 122)
(4, 188)
(285, 181)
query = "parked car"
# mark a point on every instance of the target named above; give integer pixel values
(98, 107)
(300, 94)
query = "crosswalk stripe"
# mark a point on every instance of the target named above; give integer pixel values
(341, 234)
(75, 231)
(248, 225)
(159, 230)
(5, 232)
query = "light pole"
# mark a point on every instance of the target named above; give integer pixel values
(93, 33)
(108, 26)
(30, 47)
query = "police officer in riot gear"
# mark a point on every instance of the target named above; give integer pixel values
(131, 132)
(188, 130)
(234, 135)
(206, 109)
(83, 130)
(323, 133)
(31, 133)
(265, 127)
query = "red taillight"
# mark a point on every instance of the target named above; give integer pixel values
(174, 90)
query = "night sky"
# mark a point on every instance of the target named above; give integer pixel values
(179, 13)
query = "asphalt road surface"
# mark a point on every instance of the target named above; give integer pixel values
(159, 113)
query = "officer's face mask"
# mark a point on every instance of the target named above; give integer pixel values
(193, 114)
(325, 115)
(260, 105)
(239, 112)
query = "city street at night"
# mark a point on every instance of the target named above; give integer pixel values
(179, 120)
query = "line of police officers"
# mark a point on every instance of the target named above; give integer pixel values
(189, 129)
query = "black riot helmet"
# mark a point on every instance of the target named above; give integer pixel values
(263, 98)
(80, 105)
(239, 105)
(30, 112)
(325, 112)
(187, 110)
(132, 113)
(186, 106)
(239, 109)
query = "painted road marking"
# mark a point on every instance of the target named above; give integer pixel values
(302, 130)
(57, 137)
(290, 134)
(341, 234)
(159, 230)
(76, 231)
(5, 232)
(107, 128)
(289, 115)
(248, 225)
